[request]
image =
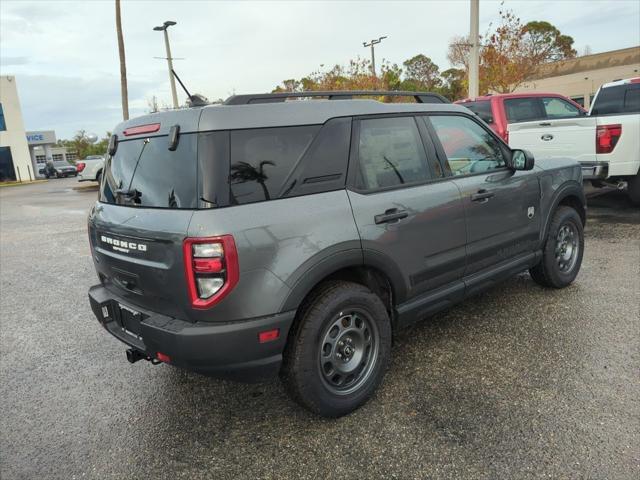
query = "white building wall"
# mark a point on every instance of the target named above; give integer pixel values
(14, 136)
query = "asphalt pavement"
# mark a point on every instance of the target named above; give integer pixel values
(520, 382)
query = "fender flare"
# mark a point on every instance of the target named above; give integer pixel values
(320, 270)
(571, 188)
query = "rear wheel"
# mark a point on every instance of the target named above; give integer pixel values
(633, 189)
(563, 250)
(340, 349)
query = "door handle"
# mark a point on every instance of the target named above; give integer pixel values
(390, 215)
(482, 196)
(545, 124)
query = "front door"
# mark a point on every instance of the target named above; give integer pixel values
(501, 206)
(410, 220)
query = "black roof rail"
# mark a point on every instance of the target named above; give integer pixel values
(420, 97)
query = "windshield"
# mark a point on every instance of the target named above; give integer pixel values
(145, 173)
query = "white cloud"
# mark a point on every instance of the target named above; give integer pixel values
(64, 54)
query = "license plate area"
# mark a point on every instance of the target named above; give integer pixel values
(130, 321)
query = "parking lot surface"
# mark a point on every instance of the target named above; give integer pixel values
(520, 382)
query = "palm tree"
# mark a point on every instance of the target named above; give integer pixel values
(123, 65)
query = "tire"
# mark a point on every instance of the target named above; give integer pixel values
(563, 250)
(633, 189)
(342, 330)
(99, 176)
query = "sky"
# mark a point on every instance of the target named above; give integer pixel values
(65, 55)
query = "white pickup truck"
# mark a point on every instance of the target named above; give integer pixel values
(91, 170)
(606, 142)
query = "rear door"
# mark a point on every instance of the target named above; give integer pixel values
(138, 226)
(561, 130)
(501, 206)
(410, 219)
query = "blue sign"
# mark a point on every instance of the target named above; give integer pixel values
(35, 138)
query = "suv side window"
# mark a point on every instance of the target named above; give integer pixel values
(617, 99)
(469, 148)
(558, 108)
(390, 153)
(262, 159)
(523, 109)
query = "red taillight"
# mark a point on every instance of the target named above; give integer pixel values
(163, 357)
(269, 335)
(80, 166)
(607, 137)
(211, 268)
(149, 128)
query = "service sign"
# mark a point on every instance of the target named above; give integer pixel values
(43, 137)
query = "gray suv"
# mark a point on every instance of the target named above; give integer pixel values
(263, 236)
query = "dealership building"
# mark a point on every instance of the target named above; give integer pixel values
(23, 154)
(15, 161)
(579, 78)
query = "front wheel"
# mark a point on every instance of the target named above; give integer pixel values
(339, 350)
(562, 251)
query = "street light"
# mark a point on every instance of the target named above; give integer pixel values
(373, 55)
(163, 28)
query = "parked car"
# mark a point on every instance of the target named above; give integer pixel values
(58, 169)
(502, 110)
(261, 236)
(92, 167)
(606, 142)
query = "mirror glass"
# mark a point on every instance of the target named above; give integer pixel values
(519, 160)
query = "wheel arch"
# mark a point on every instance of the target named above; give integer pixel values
(571, 194)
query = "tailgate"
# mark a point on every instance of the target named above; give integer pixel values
(560, 138)
(138, 255)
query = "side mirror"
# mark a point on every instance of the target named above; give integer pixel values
(113, 145)
(522, 160)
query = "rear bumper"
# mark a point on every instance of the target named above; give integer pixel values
(594, 171)
(228, 350)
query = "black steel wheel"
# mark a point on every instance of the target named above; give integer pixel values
(562, 251)
(338, 349)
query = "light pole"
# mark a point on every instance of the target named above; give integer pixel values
(474, 57)
(163, 28)
(373, 55)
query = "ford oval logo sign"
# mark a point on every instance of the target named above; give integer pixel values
(546, 137)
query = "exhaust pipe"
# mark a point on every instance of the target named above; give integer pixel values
(622, 185)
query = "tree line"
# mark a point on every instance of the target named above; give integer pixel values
(510, 53)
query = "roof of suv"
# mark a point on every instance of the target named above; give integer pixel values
(259, 115)
(509, 95)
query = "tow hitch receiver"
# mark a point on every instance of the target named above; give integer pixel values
(134, 356)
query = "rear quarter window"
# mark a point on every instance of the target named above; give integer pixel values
(263, 158)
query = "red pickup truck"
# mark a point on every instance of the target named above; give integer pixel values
(502, 109)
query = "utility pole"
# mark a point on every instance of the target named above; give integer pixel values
(474, 57)
(163, 28)
(124, 92)
(371, 44)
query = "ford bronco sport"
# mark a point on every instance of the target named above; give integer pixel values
(265, 236)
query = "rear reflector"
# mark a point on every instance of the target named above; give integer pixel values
(607, 137)
(269, 335)
(162, 357)
(140, 129)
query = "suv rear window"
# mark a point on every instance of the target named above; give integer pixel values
(145, 173)
(619, 99)
(482, 109)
